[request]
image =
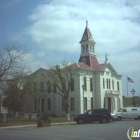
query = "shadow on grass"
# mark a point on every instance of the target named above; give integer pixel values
(21, 120)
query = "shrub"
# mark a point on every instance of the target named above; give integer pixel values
(44, 117)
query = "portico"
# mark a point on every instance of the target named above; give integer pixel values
(112, 100)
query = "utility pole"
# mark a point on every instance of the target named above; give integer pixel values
(133, 92)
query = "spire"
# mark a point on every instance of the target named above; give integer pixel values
(86, 23)
(87, 36)
(87, 55)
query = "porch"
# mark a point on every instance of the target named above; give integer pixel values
(112, 100)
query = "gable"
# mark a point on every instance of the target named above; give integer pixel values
(110, 68)
(106, 67)
(38, 71)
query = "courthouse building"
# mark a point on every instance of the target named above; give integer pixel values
(97, 86)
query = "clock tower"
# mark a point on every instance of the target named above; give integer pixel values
(87, 48)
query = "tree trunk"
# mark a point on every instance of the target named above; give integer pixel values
(67, 110)
(67, 117)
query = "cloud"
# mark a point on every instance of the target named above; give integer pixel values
(42, 59)
(59, 25)
(33, 63)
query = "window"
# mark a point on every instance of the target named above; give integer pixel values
(97, 111)
(29, 88)
(72, 84)
(93, 48)
(54, 88)
(112, 84)
(87, 47)
(41, 86)
(89, 112)
(107, 83)
(63, 84)
(85, 103)
(42, 105)
(35, 86)
(91, 102)
(83, 48)
(85, 84)
(49, 103)
(72, 104)
(91, 84)
(63, 104)
(134, 109)
(49, 86)
(35, 104)
(118, 87)
(107, 72)
(124, 110)
(85, 37)
(103, 83)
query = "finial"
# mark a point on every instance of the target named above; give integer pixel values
(86, 23)
(106, 59)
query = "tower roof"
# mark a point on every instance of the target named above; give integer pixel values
(87, 36)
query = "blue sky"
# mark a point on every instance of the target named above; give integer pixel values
(52, 29)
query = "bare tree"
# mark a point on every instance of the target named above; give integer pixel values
(62, 78)
(58, 79)
(11, 63)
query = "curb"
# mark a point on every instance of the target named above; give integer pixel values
(23, 126)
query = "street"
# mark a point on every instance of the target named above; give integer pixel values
(110, 131)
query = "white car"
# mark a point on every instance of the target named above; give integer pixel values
(129, 113)
(114, 116)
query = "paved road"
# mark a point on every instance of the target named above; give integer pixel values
(110, 131)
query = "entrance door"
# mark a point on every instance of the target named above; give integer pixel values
(109, 103)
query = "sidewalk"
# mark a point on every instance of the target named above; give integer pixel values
(22, 126)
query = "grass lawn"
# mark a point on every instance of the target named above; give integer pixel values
(21, 120)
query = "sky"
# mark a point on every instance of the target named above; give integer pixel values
(51, 31)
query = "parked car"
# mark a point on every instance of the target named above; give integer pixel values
(101, 115)
(129, 113)
(114, 116)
